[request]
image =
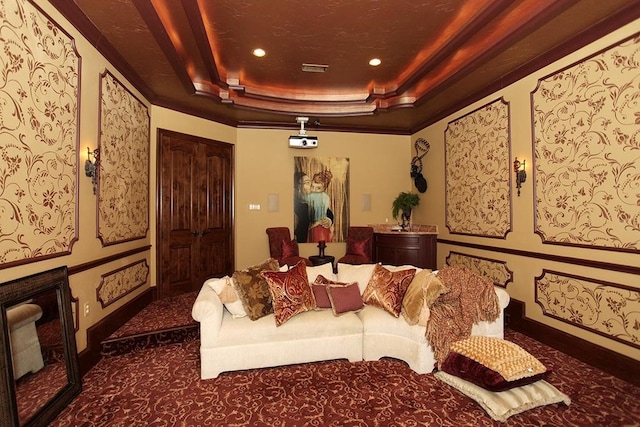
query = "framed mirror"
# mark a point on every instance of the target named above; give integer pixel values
(39, 367)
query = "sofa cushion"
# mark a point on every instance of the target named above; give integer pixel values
(361, 274)
(290, 292)
(377, 322)
(253, 289)
(325, 270)
(386, 289)
(223, 287)
(316, 324)
(344, 297)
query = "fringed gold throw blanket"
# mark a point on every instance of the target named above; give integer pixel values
(470, 299)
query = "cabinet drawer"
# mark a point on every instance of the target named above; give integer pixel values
(400, 240)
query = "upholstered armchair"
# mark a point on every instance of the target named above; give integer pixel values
(282, 248)
(359, 246)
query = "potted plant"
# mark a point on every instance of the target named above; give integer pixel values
(404, 203)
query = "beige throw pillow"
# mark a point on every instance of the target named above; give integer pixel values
(413, 300)
(424, 289)
(224, 289)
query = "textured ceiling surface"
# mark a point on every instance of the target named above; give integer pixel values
(437, 55)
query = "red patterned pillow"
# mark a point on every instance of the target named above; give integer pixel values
(290, 248)
(290, 292)
(357, 247)
(344, 298)
(386, 289)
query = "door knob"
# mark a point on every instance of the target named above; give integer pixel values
(195, 233)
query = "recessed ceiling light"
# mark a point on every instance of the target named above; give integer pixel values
(375, 62)
(259, 52)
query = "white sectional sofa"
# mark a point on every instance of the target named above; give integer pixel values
(230, 343)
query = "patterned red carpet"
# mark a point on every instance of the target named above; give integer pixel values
(161, 386)
(162, 322)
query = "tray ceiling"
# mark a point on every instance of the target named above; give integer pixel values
(437, 56)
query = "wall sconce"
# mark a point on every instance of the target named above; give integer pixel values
(521, 174)
(91, 168)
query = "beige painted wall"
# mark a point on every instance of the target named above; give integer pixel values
(525, 269)
(88, 248)
(379, 165)
(264, 165)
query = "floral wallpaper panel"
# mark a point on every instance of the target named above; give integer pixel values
(123, 184)
(496, 271)
(587, 151)
(116, 284)
(478, 173)
(39, 96)
(608, 309)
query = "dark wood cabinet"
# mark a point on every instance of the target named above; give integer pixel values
(399, 248)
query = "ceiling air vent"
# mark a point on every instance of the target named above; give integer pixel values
(314, 68)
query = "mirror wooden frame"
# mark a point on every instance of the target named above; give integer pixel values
(21, 290)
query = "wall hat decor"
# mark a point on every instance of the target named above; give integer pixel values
(422, 146)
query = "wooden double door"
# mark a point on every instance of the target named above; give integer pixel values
(195, 220)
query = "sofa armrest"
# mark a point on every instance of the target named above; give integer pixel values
(208, 307)
(23, 314)
(503, 297)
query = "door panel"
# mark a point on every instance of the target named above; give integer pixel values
(195, 218)
(215, 223)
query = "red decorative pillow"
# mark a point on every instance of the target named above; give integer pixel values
(386, 289)
(468, 369)
(290, 292)
(357, 247)
(290, 248)
(319, 288)
(321, 295)
(345, 298)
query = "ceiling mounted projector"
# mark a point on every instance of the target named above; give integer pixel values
(302, 140)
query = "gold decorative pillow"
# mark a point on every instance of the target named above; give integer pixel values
(507, 358)
(386, 289)
(290, 292)
(433, 288)
(413, 302)
(253, 290)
